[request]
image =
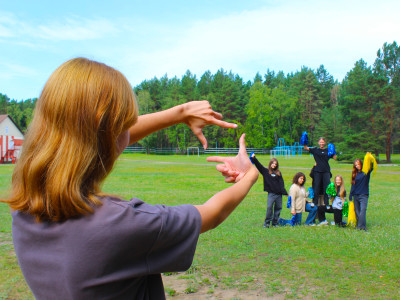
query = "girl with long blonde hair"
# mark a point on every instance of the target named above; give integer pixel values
(338, 201)
(72, 240)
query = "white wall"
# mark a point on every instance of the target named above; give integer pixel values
(7, 127)
(7, 131)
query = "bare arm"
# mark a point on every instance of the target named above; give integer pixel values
(195, 114)
(222, 204)
(306, 148)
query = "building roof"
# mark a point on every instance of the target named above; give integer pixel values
(3, 117)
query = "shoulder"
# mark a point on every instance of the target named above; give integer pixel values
(294, 188)
(138, 207)
(135, 222)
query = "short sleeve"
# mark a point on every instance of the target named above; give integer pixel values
(176, 243)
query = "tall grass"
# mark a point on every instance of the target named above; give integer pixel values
(291, 262)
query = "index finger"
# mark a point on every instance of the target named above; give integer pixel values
(223, 124)
(219, 159)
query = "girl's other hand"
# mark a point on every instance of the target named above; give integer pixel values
(234, 168)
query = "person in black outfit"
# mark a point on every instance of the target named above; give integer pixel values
(322, 175)
(360, 193)
(275, 186)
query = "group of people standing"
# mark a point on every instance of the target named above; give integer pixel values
(319, 204)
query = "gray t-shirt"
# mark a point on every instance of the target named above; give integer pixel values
(116, 253)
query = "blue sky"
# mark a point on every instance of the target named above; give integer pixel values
(147, 39)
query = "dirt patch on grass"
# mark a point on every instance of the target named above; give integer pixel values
(5, 243)
(178, 288)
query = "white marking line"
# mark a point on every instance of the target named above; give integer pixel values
(212, 165)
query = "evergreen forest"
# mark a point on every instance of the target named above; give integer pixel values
(359, 114)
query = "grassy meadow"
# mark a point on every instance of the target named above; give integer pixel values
(285, 262)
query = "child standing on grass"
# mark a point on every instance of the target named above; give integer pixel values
(274, 186)
(299, 202)
(73, 241)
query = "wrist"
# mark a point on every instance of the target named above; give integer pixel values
(180, 113)
(252, 174)
(184, 112)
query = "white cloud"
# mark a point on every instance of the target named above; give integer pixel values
(5, 32)
(8, 22)
(10, 71)
(75, 29)
(66, 29)
(284, 37)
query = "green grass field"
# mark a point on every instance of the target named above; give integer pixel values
(287, 262)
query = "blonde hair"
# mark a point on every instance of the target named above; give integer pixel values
(342, 189)
(71, 144)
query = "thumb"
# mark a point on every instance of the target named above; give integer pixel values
(201, 137)
(242, 145)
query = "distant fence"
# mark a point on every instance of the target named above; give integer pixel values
(185, 151)
(276, 152)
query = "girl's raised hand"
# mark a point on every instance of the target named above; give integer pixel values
(198, 114)
(234, 168)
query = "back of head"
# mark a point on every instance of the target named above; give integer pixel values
(71, 143)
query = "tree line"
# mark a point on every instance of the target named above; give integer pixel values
(359, 114)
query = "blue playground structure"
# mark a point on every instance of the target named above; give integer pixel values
(286, 151)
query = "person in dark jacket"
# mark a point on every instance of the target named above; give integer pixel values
(322, 175)
(360, 193)
(274, 186)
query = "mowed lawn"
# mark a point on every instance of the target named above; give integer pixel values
(286, 262)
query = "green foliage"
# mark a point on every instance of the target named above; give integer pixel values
(258, 110)
(387, 79)
(21, 112)
(360, 114)
(305, 87)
